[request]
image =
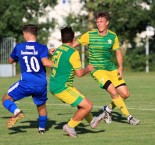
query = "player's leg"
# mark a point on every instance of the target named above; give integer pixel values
(101, 77)
(117, 100)
(8, 102)
(75, 99)
(105, 83)
(93, 121)
(40, 98)
(123, 91)
(119, 84)
(84, 107)
(42, 118)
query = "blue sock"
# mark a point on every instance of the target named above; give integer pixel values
(10, 105)
(42, 121)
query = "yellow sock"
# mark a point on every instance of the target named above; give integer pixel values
(112, 105)
(89, 117)
(121, 105)
(73, 123)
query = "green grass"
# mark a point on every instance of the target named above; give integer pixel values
(141, 104)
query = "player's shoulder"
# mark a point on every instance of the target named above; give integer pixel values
(31, 43)
(93, 31)
(20, 44)
(66, 48)
(40, 45)
(111, 32)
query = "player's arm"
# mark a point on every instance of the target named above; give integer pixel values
(13, 56)
(76, 64)
(51, 50)
(10, 60)
(83, 71)
(75, 43)
(119, 58)
(44, 57)
(83, 40)
(46, 62)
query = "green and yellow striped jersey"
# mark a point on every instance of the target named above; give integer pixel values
(66, 59)
(100, 48)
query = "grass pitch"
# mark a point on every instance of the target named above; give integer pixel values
(141, 104)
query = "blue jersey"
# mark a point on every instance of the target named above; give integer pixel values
(29, 55)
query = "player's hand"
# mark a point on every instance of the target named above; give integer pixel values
(90, 68)
(51, 50)
(120, 72)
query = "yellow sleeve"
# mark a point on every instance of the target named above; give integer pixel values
(116, 44)
(75, 60)
(84, 39)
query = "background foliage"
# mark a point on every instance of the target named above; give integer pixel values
(128, 18)
(12, 13)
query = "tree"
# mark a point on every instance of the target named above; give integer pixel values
(128, 17)
(14, 14)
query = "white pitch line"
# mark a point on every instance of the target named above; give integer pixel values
(95, 106)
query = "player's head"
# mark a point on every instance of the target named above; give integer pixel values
(31, 28)
(102, 20)
(30, 32)
(67, 35)
(102, 15)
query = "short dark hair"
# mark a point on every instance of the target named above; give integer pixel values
(67, 34)
(102, 14)
(31, 28)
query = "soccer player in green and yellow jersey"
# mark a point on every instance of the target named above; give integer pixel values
(101, 43)
(67, 63)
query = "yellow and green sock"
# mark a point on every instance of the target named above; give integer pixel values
(89, 117)
(73, 123)
(121, 105)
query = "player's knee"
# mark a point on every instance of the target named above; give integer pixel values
(123, 91)
(89, 105)
(125, 95)
(5, 97)
(111, 90)
(114, 95)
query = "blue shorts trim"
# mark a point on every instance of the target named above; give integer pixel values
(19, 91)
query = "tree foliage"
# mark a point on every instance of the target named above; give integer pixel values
(128, 17)
(14, 12)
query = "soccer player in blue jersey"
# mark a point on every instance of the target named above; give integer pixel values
(102, 42)
(32, 57)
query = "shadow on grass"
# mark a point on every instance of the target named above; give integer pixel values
(116, 116)
(80, 129)
(30, 124)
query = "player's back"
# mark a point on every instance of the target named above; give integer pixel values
(62, 73)
(29, 55)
